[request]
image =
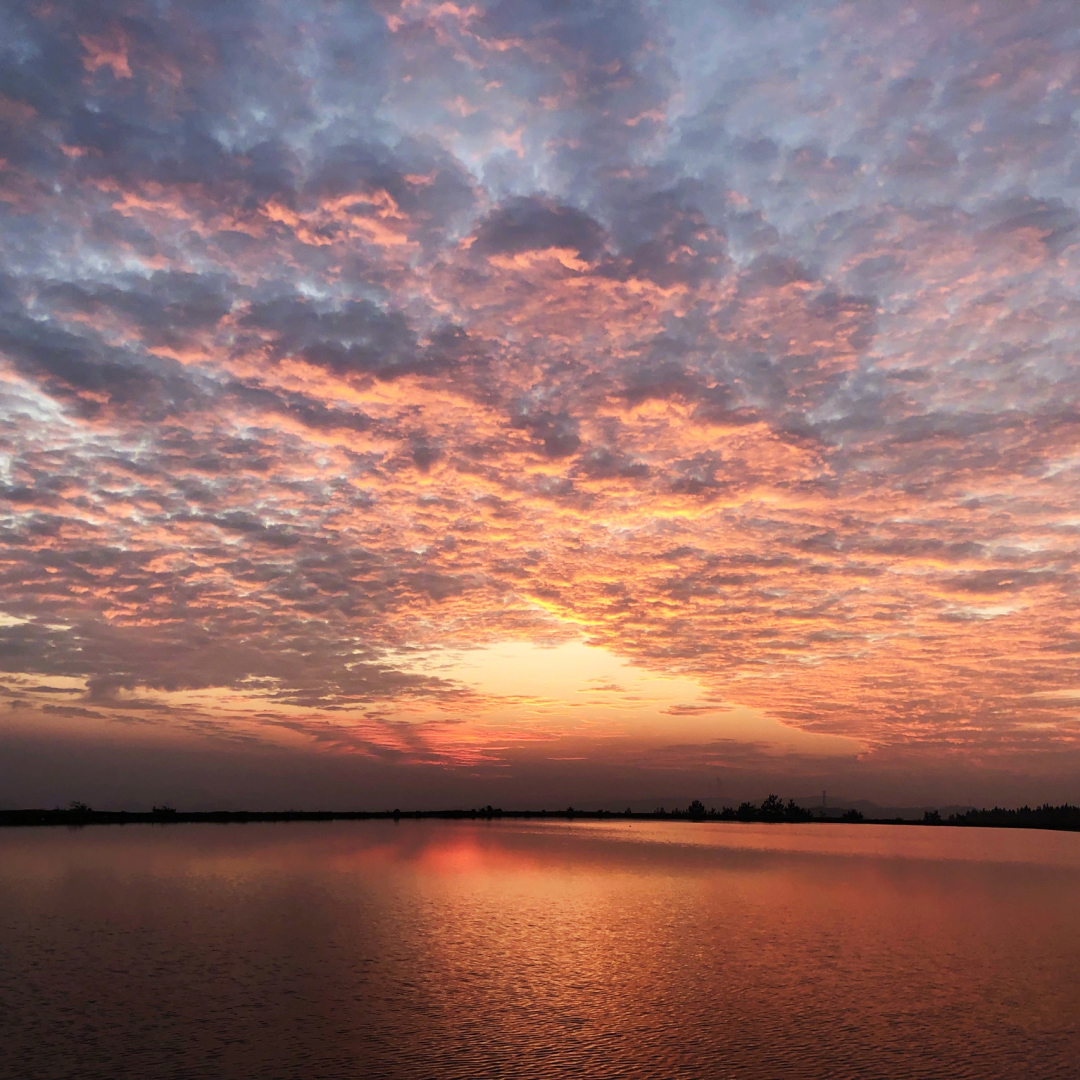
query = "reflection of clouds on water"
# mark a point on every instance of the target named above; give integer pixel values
(495, 949)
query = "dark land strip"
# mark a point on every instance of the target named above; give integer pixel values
(772, 810)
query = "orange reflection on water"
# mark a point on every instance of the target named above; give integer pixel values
(539, 949)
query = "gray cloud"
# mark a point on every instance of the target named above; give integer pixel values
(740, 334)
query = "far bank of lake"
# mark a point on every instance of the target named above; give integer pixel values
(772, 811)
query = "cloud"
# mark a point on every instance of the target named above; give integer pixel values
(534, 224)
(736, 338)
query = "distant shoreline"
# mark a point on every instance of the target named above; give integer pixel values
(1065, 818)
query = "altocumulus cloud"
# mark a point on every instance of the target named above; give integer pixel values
(738, 338)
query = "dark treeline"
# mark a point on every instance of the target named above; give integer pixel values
(1040, 817)
(773, 809)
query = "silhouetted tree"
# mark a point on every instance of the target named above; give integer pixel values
(851, 815)
(696, 810)
(1041, 817)
(931, 817)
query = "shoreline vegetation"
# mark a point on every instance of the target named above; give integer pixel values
(771, 810)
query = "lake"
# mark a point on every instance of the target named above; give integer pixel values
(421, 949)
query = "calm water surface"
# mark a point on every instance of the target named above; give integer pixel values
(445, 949)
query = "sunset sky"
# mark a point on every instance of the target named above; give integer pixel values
(538, 402)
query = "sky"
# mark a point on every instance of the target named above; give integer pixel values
(532, 402)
